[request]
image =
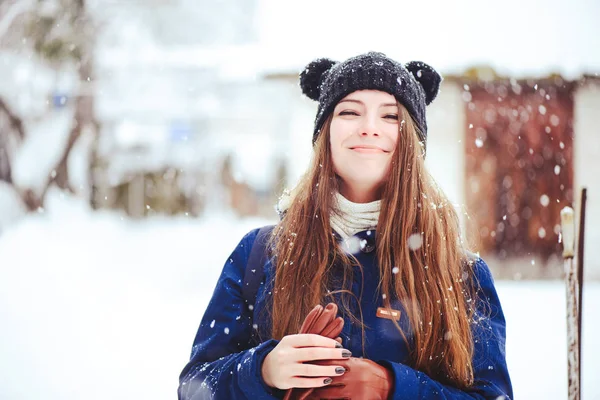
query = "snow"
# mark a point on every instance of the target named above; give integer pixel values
(93, 300)
(89, 297)
(41, 150)
(11, 206)
(26, 83)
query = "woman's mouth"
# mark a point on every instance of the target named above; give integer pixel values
(368, 150)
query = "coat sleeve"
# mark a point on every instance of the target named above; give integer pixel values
(222, 366)
(491, 378)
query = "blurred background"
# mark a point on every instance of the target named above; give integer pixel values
(141, 139)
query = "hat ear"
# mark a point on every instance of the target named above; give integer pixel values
(428, 77)
(312, 77)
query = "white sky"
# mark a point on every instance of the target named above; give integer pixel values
(517, 37)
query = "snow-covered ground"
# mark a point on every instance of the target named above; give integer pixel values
(95, 306)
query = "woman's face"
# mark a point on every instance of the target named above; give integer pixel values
(363, 136)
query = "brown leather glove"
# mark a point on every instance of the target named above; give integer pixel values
(363, 379)
(319, 321)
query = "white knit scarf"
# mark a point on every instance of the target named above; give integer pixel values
(349, 218)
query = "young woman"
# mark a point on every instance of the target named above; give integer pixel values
(368, 230)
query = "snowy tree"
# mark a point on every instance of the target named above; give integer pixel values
(61, 33)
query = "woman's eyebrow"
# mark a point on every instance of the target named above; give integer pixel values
(360, 102)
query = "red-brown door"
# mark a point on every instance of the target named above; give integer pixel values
(519, 164)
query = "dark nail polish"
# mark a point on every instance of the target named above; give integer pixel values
(338, 346)
(346, 354)
(327, 381)
(340, 370)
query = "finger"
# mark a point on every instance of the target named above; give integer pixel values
(300, 382)
(305, 394)
(334, 328)
(338, 339)
(289, 394)
(328, 315)
(332, 391)
(317, 353)
(294, 393)
(310, 340)
(310, 318)
(337, 363)
(325, 362)
(314, 370)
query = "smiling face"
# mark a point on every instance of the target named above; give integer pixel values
(363, 136)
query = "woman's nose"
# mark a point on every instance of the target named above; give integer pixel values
(369, 128)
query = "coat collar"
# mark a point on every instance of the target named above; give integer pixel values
(363, 241)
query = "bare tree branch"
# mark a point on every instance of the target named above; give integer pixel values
(17, 8)
(14, 120)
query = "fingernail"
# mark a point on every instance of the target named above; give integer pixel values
(338, 346)
(329, 306)
(327, 381)
(340, 370)
(346, 353)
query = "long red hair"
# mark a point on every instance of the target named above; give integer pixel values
(429, 279)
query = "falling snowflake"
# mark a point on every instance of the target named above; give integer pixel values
(542, 233)
(415, 241)
(352, 245)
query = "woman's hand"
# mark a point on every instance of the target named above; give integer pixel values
(319, 321)
(284, 367)
(364, 379)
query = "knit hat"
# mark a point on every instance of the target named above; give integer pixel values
(414, 84)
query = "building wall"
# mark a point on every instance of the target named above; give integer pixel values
(445, 157)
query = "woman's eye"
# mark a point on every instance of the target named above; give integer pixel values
(392, 116)
(348, 113)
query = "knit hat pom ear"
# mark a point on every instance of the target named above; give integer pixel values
(428, 77)
(312, 77)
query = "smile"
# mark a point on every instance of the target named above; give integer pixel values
(368, 150)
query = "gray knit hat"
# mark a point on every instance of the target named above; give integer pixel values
(414, 84)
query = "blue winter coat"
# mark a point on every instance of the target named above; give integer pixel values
(224, 365)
